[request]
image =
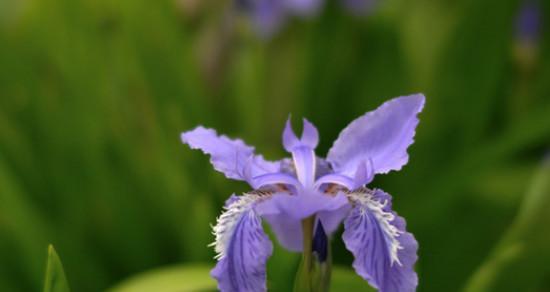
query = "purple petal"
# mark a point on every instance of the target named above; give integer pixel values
(268, 16)
(384, 252)
(335, 179)
(231, 157)
(304, 163)
(364, 173)
(382, 135)
(243, 248)
(290, 140)
(285, 212)
(303, 155)
(528, 21)
(310, 136)
(303, 7)
(273, 179)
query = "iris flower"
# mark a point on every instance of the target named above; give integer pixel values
(269, 15)
(329, 191)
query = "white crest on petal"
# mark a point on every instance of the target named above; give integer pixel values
(365, 200)
(227, 221)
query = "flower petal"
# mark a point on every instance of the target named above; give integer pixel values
(303, 7)
(382, 135)
(384, 252)
(309, 138)
(285, 212)
(243, 247)
(231, 157)
(268, 16)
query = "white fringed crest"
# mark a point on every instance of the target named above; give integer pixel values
(365, 200)
(227, 221)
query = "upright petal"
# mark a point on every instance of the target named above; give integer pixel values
(384, 252)
(382, 136)
(243, 247)
(230, 157)
(309, 138)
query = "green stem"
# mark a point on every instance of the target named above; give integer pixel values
(302, 282)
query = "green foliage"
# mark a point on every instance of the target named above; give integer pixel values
(55, 280)
(345, 279)
(519, 261)
(94, 94)
(170, 279)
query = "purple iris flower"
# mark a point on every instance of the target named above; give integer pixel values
(528, 22)
(331, 190)
(269, 15)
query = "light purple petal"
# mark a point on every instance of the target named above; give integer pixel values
(303, 7)
(231, 157)
(268, 16)
(303, 155)
(309, 138)
(331, 219)
(285, 212)
(243, 248)
(310, 135)
(304, 164)
(335, 179)
(384, 252)
(382, 135)
(273, 179)
(364, 173)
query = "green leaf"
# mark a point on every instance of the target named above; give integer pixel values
(519, 261)
(55, 280)
(345, 279)
(170, 279)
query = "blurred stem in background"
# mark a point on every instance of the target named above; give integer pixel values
(519, 260)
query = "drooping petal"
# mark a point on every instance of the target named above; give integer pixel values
(231, 157)
(242, 246)
(384, 252)
(285, 212)
(382, 136)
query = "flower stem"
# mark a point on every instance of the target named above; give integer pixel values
(314, 272)
(302, 282)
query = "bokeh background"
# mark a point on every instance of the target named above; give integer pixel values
(94, 95)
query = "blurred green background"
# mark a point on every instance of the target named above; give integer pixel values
(94, 95)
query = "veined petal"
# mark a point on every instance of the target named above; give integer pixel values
(382, 136)
(231, 157)
(285, 212)
(242, 246)
(384, 252)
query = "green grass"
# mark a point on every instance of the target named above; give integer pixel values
(94, 95)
